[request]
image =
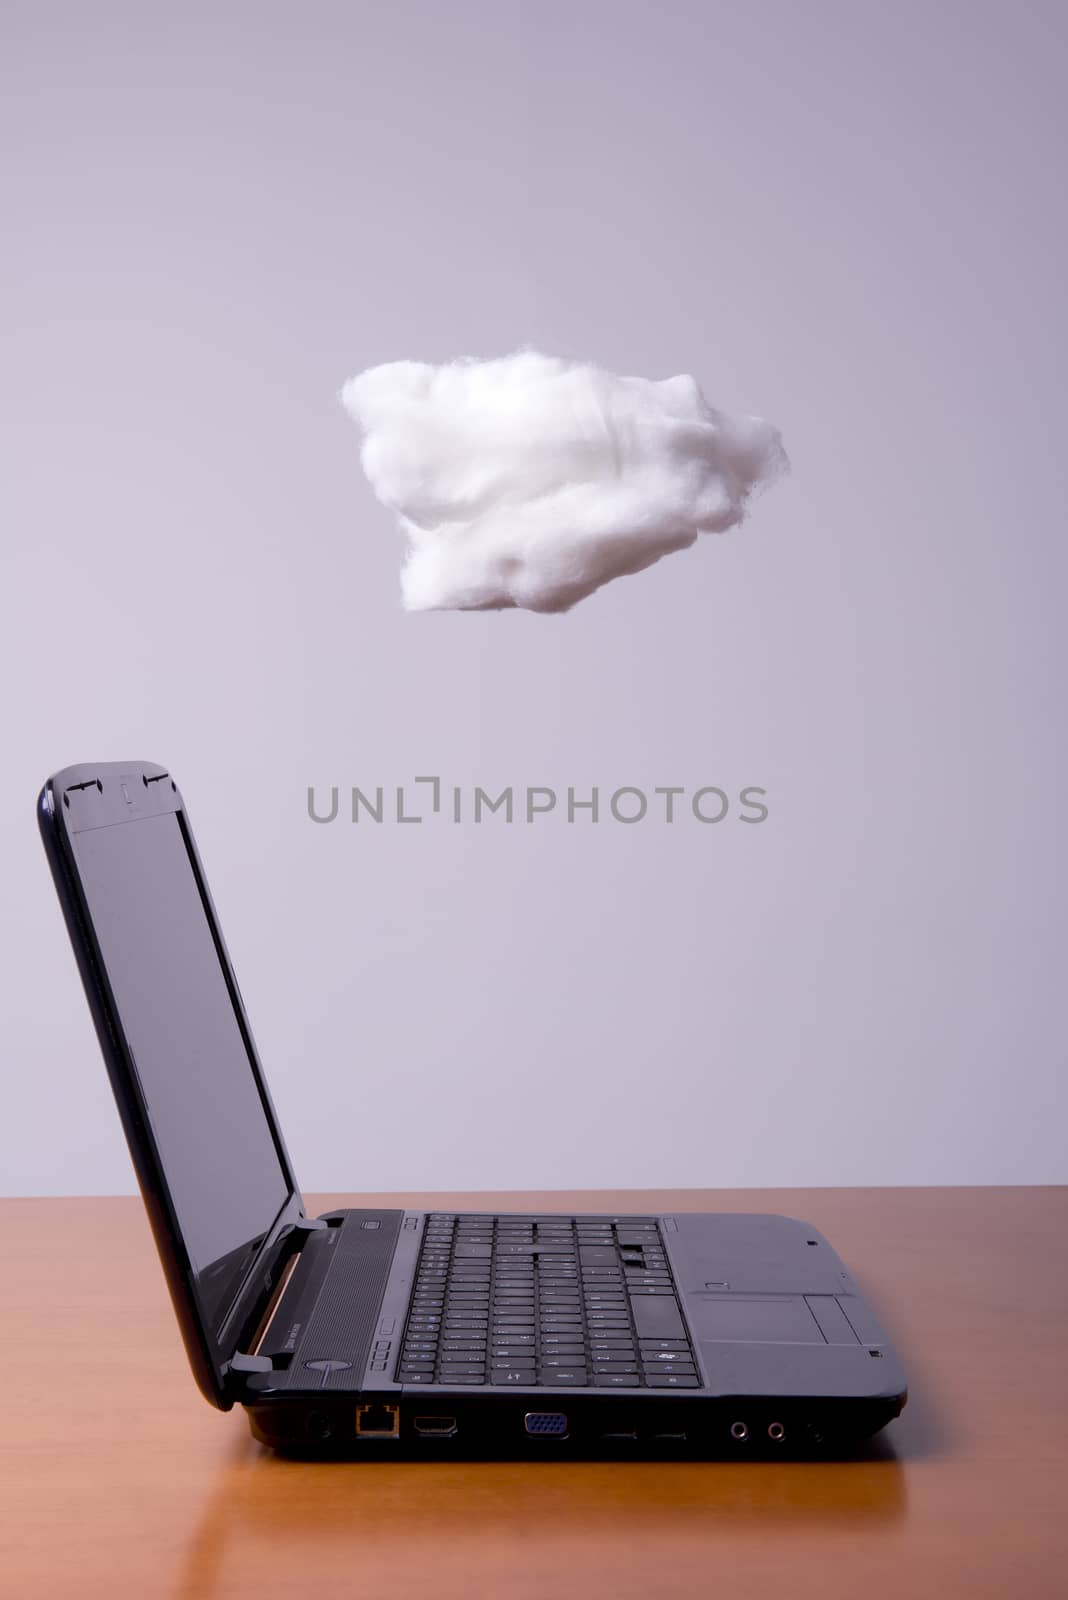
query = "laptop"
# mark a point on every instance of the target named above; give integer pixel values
(383, 1332)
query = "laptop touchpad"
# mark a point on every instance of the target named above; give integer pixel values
(767, 1318)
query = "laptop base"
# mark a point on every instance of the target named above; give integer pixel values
(537, 1426)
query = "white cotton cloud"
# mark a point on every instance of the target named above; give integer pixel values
(531, 481)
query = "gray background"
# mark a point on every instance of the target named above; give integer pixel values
(848, 217)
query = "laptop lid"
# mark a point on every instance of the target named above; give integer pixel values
(220, 1192)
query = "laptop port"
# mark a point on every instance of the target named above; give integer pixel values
(776, 1431)
(739, 1431)
(318, 1426)
(632, 1434)
(378, 1422)
(546, 1423)
(438, 1427)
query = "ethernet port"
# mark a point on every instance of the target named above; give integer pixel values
(378, 1422)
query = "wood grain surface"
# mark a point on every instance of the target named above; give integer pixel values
(117, 1479)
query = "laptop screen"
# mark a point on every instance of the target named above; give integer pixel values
(205, 1110)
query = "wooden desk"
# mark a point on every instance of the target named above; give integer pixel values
(118, 1480)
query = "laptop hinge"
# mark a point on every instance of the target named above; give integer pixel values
(249, 1364)
(246, 1363)
(309, 1225)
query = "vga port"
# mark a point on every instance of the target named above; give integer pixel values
(546, 1422)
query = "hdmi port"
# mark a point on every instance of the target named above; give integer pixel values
(443, 1427)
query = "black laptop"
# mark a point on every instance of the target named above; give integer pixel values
(384, 1332)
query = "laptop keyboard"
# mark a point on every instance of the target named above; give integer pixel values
(569, 1302)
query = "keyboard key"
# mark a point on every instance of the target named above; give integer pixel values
(615, 1366)
(657, 1316)
(418, 1366)
(617, 1380)
(463, 1377)
(594, 1255)
(562, 1361)
(418, 1377)
(563, 1377)
(520, 1375)
(665, 1344)
(651, 1357)
(449, 1369)
(672, 1380)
